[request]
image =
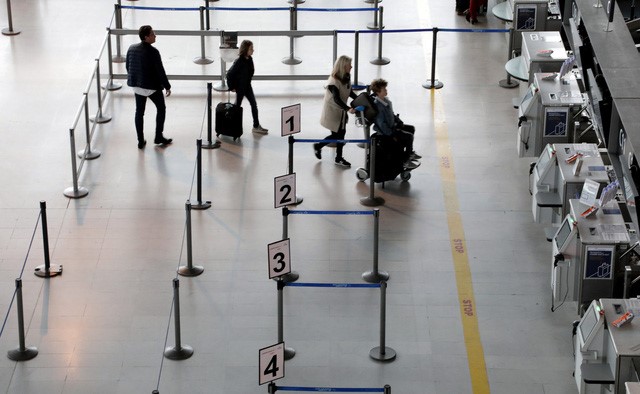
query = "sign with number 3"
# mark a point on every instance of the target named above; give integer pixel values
(279, 260)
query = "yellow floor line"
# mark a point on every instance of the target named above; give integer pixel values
(464, 283)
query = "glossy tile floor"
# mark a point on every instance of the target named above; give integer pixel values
(101, 326)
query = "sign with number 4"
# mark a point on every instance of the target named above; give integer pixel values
(271, 363)
(279, 263)
(284, 190)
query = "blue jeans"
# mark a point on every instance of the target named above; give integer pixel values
(141, 103)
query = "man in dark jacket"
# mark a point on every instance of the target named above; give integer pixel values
(148, 79)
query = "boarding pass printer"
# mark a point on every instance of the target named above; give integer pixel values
(588, 254)
(559, 175)
(607, 354)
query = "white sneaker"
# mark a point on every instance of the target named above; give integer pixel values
(260, 130)
(410, 164)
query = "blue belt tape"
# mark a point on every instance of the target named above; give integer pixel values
(323, 140)
(302, 284)
(248, 8)
(135, 7)
(332, 389)
(337, 9)
(311, 212)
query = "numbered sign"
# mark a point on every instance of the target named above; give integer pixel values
(271, 363)
(284, 190)
(290, 119)
(279, 261)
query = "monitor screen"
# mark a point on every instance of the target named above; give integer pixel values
(563, 233)
(587, 327)
(544, 161)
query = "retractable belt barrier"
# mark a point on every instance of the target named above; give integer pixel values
(386, 389)
(380, 353)
(373, 276)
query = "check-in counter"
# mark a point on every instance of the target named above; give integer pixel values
(542, 51)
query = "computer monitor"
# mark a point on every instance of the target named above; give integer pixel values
(589, 325)
(545, 161)
(564, 234)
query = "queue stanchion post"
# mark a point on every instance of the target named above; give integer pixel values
(335, 46)
(110, 85)
(207, 16)
(202, 59)
(387, 389)
(210, 144)
(433, 83)
(75, 191)
(22, 353)
(189, 269)
(8, 31)
(376, 276)
(118, 58)
(375, 25)
(272, 388)
(179, 351)
(222, 86)
(383, 352)
(508, 82)
(87, 153)
(47, 270)
(100, 117)
(356, 60)
(201, 205)
(289, 352)
(292, 59)
(380, 61)
(293, 275)
(371, 200)
(292, 141)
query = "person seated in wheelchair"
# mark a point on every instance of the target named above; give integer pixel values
(388, 123)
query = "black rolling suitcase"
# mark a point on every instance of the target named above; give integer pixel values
(229, 120)
(462, 6)
(389, 158)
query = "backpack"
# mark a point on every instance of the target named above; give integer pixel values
(232, 76)
(370, 109)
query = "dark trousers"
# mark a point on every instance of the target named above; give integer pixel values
(337, 135)
(141, 103)
(248, 93)
(404, 134)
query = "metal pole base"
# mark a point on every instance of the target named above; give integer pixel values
(388, 354)
(508, 83)
(54, 270)
(71, 193)
(112, 86)
(220, 87)
(372, 1)
(292, 60)
(289, 352)
(94, 154)
(288, 278)
(8, 32)
(375, 277)
(202, 60)
(380, 61)
(173, 353)
(22, 355)
(213, 145)
(201, 205)
(374, 26)
(193, 271)
(436, 84)
(372, 202)
(297, 1)
(101, 119)
(118, 59)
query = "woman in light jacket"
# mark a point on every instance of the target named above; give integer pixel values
(334, 110)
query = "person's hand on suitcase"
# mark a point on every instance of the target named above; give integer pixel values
(168, 92)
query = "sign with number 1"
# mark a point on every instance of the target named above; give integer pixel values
(279, 260)
(290, 120)
(271, 364)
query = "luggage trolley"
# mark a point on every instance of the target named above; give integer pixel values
(389, 153)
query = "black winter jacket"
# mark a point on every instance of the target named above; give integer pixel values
(145, 69)
(245, 70)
